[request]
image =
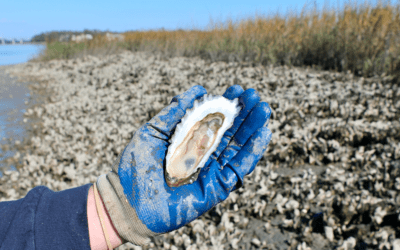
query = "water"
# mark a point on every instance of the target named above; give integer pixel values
(18, 53)
(15, 98)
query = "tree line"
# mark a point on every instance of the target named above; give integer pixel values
(53, 36)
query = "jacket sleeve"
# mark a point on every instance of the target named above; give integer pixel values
(45, 219)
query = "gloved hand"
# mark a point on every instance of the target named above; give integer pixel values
(135, 193)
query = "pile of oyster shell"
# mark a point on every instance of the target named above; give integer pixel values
(329, 178)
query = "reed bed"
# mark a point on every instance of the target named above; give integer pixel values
(70, 50)
(360, 38)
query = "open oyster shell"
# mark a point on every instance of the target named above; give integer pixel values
(197, 136)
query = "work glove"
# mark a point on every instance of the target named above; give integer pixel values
(135, 193)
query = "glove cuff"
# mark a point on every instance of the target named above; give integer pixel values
(123, 216)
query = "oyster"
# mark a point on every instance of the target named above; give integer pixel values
(197, 136)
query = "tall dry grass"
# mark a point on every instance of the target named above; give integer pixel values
(98, 46)
(360, 37)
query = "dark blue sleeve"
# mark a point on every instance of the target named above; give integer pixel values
(45, 219)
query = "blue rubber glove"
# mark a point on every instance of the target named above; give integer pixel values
(140, 167)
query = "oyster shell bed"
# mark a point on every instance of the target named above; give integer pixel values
(330, 176)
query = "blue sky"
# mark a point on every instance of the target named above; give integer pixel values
(24, 19)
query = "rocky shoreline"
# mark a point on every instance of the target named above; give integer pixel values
(330, 177)
(15, 98)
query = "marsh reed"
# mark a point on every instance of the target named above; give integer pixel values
(360, 38)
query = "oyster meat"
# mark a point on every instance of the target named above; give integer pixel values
(197, 136)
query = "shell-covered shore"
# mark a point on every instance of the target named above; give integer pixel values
(329, 178)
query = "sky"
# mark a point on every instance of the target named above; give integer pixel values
(24, 19)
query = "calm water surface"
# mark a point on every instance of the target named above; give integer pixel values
(15, 97)
(18, 53)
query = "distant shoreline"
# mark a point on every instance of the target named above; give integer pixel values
(42, 43)
(27, 43)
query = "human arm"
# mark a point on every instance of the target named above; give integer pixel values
(97, 236)
(45, 219)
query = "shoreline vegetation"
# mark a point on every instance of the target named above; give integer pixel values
(360, 38)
